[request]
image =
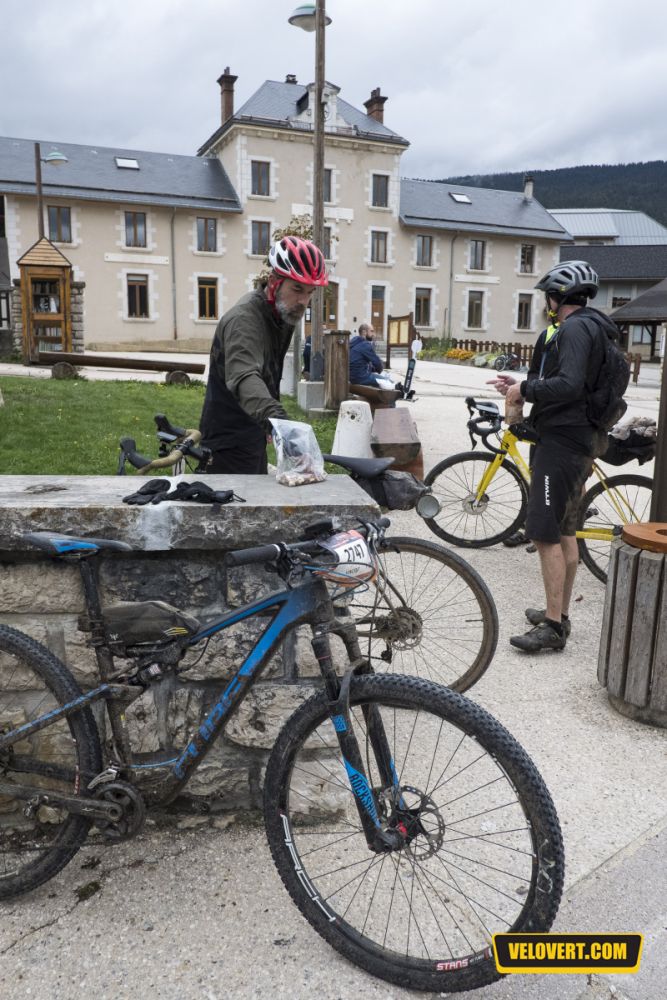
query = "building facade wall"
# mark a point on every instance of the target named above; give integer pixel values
(367, 289)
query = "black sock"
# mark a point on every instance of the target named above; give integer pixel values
(565, 618)
(556, 626)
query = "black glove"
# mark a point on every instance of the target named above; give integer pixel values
(200, 493)
(151, 492)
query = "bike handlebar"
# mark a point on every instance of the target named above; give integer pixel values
(188, 446)
(271, 553)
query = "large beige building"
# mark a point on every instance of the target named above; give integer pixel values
(166, 243)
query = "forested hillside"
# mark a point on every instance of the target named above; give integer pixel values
(640, 186)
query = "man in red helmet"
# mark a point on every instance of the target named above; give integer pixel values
(247, 356)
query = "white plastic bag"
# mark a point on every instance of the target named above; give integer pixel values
(298, 456)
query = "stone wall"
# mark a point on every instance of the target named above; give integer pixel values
(178, 559)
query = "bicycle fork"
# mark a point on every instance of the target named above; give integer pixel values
(378, 837)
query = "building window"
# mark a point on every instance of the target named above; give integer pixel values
(524, 312)
(135, 229)
(328, 175)
(475, 309)
(380, 190)
(378, 247)
(423, 307)
(527, 265)
(137, 296)
(261, 177)
(477, 255)
(207, 235)
(3, 231)
(4, 310)
(261, 238)
(60, 224)
(208, 298)
(641, 335)
(619, 300)
(424, 251)
(326, 242)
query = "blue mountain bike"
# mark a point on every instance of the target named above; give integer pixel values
(406, 823)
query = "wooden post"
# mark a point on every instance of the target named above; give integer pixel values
(659, 499)
(336, 368)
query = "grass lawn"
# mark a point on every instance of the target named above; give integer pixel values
(72, 427)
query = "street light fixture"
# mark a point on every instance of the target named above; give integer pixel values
(56, 159)
(313, 17)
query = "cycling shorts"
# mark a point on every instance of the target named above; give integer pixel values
(558, 475)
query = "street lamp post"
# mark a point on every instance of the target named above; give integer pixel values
(312, 17)
(56, 159)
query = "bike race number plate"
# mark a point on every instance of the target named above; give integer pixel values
(353, 557)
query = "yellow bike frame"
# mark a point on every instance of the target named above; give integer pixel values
(508, 448)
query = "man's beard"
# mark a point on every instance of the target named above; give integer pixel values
(289, 315)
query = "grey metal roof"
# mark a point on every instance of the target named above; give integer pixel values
(625, 227)
(650, 307)
(91, 174)
(275, 104)
(429, 205)
(626, 263)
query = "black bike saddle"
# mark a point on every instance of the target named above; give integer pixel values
(368, 468)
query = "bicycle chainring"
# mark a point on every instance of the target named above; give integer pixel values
(132, 806)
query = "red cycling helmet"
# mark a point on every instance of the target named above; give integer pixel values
(299, 260)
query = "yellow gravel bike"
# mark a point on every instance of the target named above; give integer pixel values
(483, 498)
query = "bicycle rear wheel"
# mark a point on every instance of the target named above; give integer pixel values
(462, 519)
(428, 614)
(607, 506)
(35, 843)
(482, 852)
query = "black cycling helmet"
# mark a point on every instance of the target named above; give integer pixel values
(570, 279)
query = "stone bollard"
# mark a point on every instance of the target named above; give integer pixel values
(632, 662)
(353, 430)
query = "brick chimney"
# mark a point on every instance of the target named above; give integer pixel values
(227, 81)
(528, 182)
(375, 106)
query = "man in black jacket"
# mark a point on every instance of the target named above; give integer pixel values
(247, 357)
(563, 371)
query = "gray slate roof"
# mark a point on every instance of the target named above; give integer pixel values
(624, 263)
(91, 174)
(625, 227)
(429, 205)
(276, 104)
(650, 307)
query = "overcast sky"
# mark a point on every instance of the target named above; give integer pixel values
(475, 87)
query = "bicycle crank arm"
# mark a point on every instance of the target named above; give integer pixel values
(91, 808)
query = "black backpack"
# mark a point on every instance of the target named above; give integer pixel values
(604, 401)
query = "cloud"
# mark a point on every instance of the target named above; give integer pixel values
(474, 88)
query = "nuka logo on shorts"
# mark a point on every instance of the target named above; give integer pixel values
(547, 498)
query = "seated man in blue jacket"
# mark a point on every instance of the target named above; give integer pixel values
(364, 361)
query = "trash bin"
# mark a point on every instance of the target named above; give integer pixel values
(632, 664)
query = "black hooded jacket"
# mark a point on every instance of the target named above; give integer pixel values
(561, 375)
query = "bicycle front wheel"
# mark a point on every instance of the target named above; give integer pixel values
(463, 519)
(428, 614)
(482, 852)
(606, 507)
(37, 840)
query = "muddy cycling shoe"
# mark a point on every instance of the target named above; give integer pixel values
(536, 617)
(151, 492)
(538, 638)
(518, 538)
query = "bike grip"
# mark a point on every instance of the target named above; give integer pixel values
(129, 448)
(163, 424)
(259, 554)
